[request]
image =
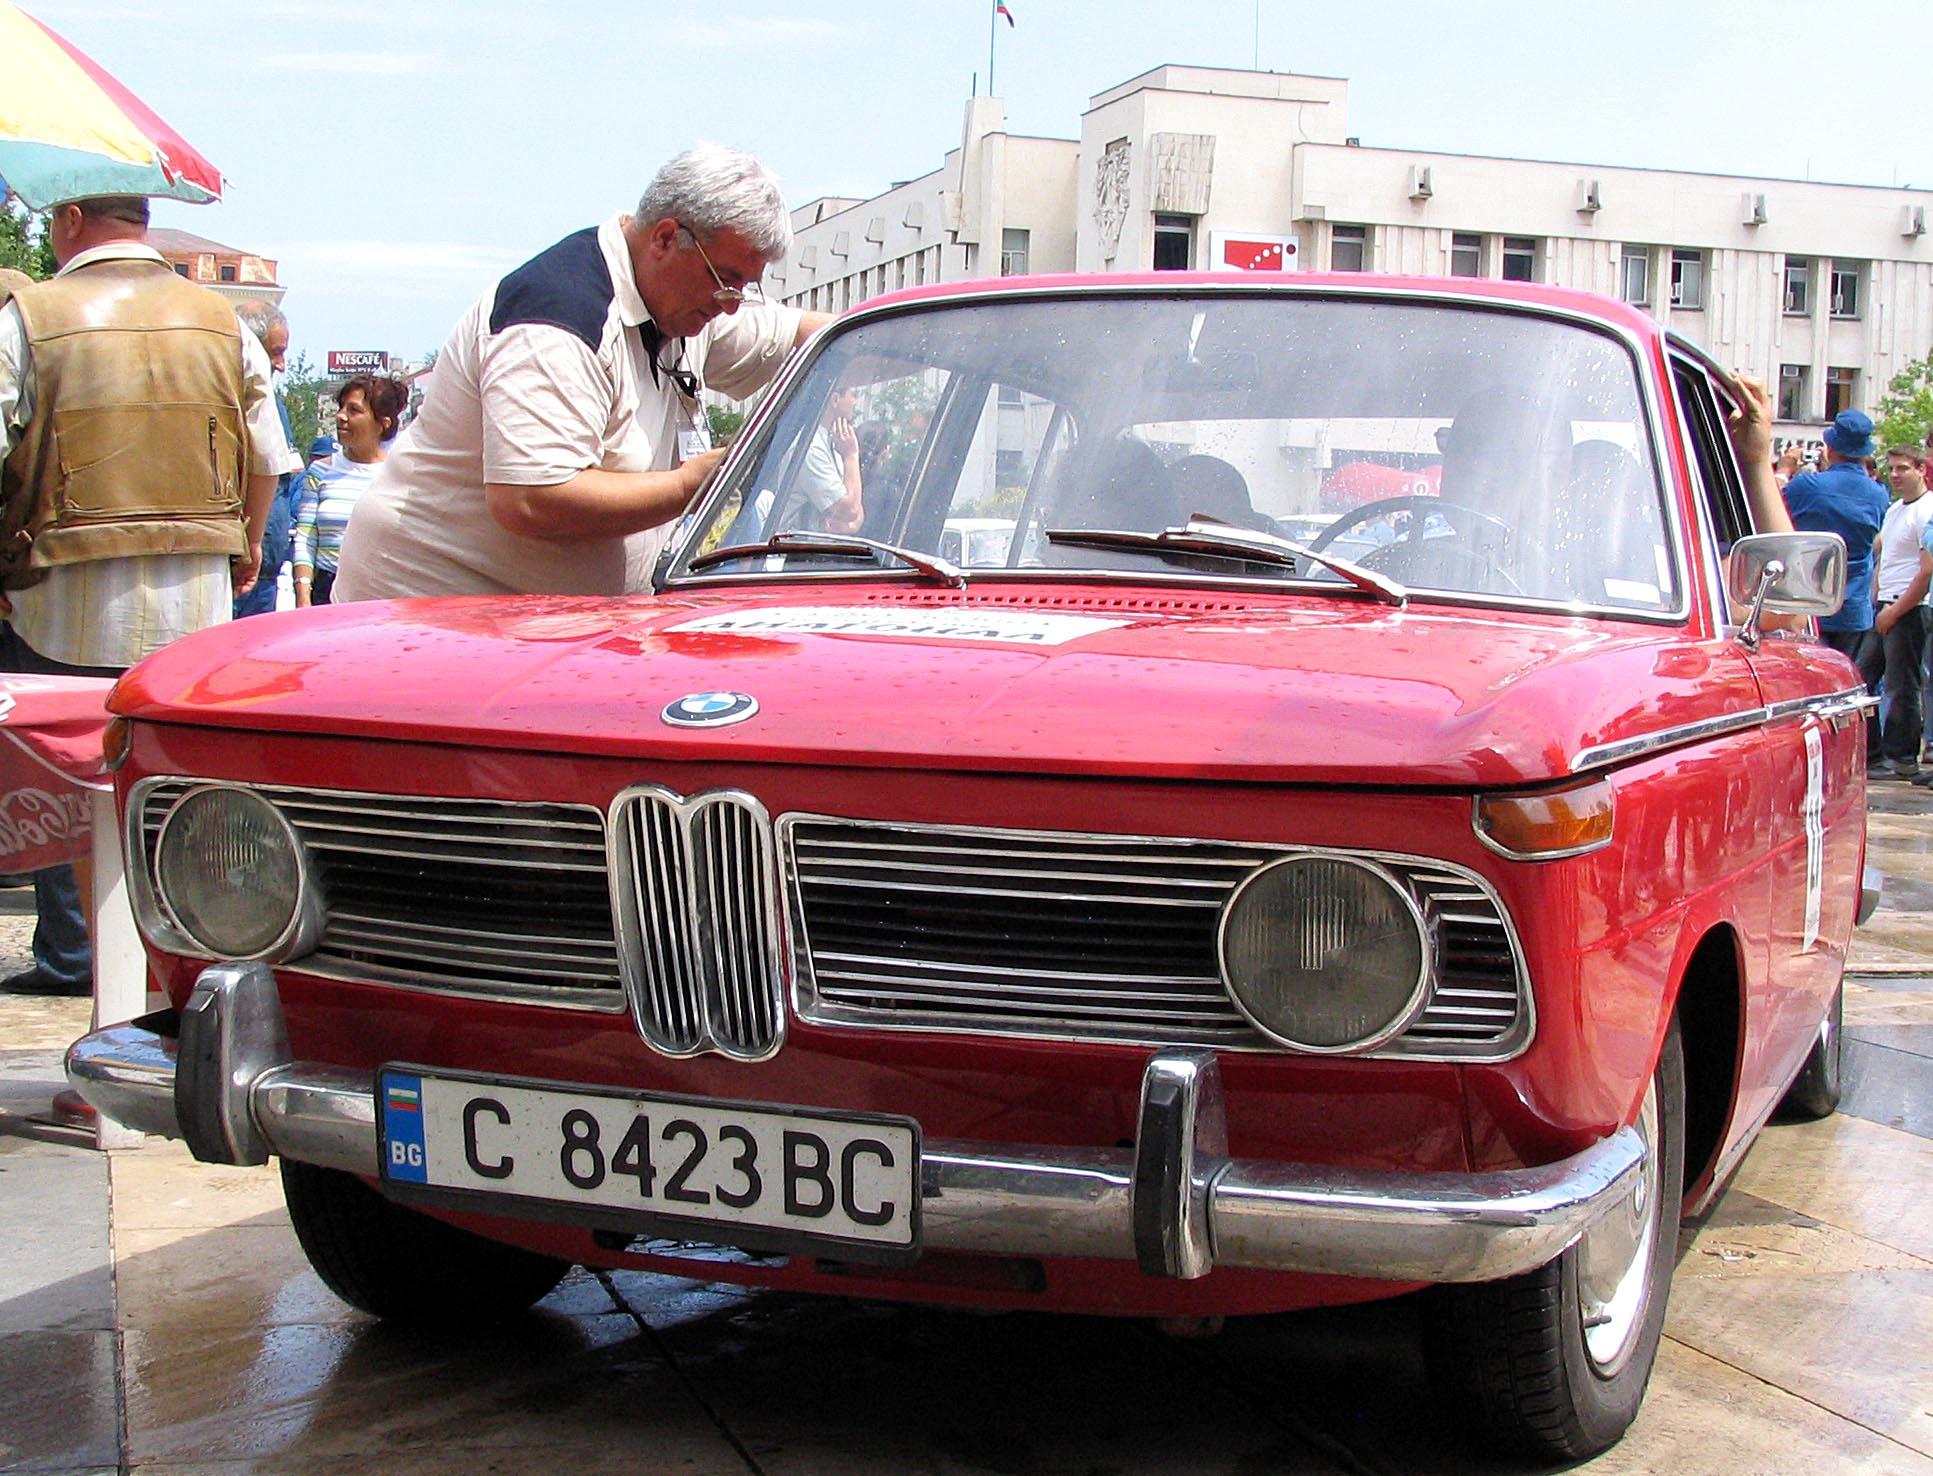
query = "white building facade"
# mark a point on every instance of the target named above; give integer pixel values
(1825, 290)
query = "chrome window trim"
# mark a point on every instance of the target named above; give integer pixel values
(1828, 706)
(1652, 397)
(803, 995)
(158, 930)
(688, 811)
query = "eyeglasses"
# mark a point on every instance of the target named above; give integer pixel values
(724, 296)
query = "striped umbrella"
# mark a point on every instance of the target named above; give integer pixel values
(68, 130)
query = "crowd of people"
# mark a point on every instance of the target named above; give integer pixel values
(1885, 623)
(151, 488)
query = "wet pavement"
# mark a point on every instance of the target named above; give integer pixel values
(156, 1316)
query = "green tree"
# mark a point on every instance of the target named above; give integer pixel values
(1906, 414)
(302, 388)
(724, 423)
(23, 241)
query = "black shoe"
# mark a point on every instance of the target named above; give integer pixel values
(1924, 779)
(33, 981)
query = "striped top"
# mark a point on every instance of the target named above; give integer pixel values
(325, 496)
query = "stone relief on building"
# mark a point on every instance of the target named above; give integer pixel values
(1180, 168)
(1111, 195)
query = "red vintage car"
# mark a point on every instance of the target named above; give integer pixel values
(1200, 900)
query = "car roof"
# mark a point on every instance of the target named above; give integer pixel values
(1464, 291)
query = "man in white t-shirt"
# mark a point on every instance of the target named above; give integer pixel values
(562, 433)
(829, 482)
(1897, 646)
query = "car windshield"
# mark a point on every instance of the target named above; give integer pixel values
(1459, 450)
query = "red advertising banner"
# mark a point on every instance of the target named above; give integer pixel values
(344, 363)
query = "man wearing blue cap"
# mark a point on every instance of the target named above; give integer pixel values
(1840, 498)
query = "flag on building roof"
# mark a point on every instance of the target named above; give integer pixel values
(1000, 8)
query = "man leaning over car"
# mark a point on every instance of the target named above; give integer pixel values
(563, 432)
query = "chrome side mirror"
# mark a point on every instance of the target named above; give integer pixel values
(1786, 574)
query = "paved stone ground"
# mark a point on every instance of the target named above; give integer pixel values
(157, 1317)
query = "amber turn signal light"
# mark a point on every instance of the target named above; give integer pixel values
(1546, 826)
(116, 742)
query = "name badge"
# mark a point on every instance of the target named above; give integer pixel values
(693, 442)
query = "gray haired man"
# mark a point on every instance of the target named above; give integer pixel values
(563, 432)
(271, 329)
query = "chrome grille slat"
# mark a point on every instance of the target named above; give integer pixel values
(401, 942)
(903, 926)
(321, 842)
(930, 888)
(603, 947)
(1145, 997)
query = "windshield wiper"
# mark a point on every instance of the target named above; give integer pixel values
(801, 541)
(1211, 536)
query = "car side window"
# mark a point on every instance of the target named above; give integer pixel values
(1721, 488)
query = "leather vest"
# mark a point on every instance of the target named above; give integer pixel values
(137, 443)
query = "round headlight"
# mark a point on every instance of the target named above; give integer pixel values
(229, 870)
(1325, 953)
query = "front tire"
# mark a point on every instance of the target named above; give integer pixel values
(404, 1266)
(1555, 1361)
(1814, 1093)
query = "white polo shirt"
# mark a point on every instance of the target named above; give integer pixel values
(544, 377)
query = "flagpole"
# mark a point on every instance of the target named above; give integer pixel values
(993, 18)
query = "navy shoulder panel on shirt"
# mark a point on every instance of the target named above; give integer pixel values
(569, 287)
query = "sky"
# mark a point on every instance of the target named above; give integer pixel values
(396, 158)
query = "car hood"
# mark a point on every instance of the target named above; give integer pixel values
(1311, 690)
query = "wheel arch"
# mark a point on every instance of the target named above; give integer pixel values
(1711, 1021)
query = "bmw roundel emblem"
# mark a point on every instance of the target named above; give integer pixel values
(709, 709)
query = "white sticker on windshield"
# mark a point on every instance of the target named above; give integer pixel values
(1012, 627)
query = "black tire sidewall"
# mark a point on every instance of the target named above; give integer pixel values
(1605, 1406)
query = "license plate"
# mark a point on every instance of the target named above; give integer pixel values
(789, 1176)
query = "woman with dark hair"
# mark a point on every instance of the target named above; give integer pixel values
(369, 409)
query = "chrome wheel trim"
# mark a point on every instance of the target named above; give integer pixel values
(1614, 1261)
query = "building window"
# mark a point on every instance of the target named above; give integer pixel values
(1634, 275)
(1519, 259)
(1687, 279)
(1466, 255)
(1013, 253)
(1349, 248)
(1174, 243)
(1839, 387)
(1798, 287)
(228, 274)
(1792, 395)
(1845, 289)
(181, 269)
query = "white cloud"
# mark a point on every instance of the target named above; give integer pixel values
(741, 34)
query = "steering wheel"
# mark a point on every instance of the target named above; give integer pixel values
(1410, 549)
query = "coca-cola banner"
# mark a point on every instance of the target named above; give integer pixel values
(50, 765)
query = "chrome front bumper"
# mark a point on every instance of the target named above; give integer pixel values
(1175, 1204)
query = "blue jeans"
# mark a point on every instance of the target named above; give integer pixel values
(278, 540)
(61, 948)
